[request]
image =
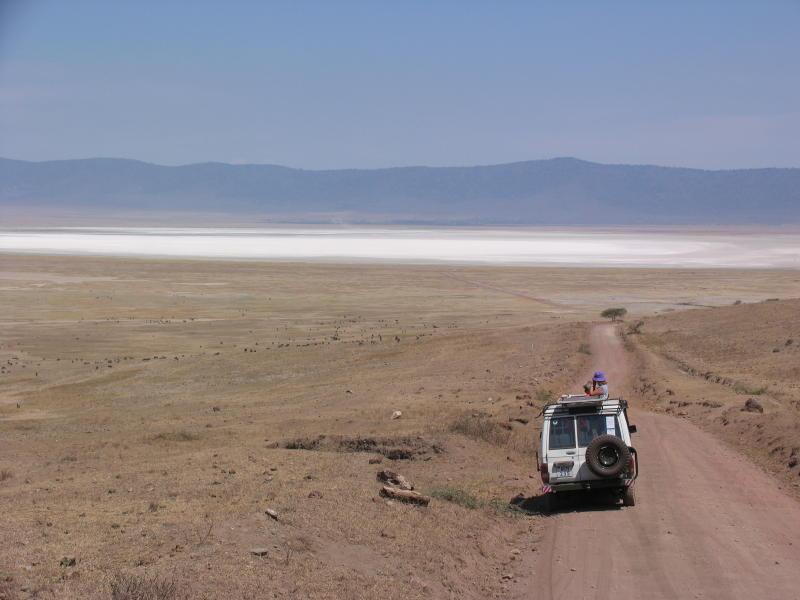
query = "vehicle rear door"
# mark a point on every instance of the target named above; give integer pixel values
(562, 449)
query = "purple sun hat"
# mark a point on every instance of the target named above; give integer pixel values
(599, 376)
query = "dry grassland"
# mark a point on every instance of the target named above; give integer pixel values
(152, 411)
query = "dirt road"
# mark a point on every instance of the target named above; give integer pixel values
(707, 524)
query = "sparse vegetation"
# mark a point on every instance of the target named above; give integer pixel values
(456, 496)
(200, 494)
(183, 435)
(394, 448)
(136, 587)
(615, 314)
(585, 349)
(504, 507)
(482, 427)
(635, 328)
(5, 474)
(741, 388)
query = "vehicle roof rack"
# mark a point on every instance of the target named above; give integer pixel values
(572, 403)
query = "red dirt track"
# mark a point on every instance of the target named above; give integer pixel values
(707, 524)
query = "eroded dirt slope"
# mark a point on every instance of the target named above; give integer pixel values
(735, 371)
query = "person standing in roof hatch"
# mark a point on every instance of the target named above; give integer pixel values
(599, 386)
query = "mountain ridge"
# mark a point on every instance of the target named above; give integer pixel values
(556, 191)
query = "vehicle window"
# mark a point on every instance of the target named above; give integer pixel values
(591, 426)
(562, 433)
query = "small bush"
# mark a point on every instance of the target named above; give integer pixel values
(481, 427)
(543, 395)
(135, 587)
(585, 349)
(456, 496)
(635, 328)
(614, 313)
(177, 436)
(741, 388)
(5, 474)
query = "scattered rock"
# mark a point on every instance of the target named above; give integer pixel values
(272, 513)
(68, 561)
(753, 405)
(792, 462)
(397, 414)
(522, 420)
(315, 494)
(259, 551)
(405, 495)
(376, 460)
(395, 479)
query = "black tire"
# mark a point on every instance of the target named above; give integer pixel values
(607, 456)
(629, 497)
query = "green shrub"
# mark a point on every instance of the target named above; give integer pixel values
(456, 496)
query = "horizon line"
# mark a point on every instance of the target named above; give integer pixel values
(471, 166)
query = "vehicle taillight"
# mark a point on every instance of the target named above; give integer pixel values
(544, 473)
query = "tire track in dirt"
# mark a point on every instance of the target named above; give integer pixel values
(499, 290)
(707, 524)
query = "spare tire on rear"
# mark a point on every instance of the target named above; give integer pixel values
(607, 456)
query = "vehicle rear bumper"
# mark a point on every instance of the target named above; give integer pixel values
(589, 484)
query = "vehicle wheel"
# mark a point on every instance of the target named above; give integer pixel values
(607, 456)
(629, 497)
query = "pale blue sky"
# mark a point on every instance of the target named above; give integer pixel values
(369, 84)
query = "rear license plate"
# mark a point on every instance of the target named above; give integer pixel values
(562, 472)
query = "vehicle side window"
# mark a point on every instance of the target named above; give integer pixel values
(562, 433)
(592, 426)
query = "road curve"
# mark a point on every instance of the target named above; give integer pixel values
(707, 524)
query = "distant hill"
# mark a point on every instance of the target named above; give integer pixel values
(544, 192)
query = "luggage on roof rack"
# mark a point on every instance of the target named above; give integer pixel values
(572, 403)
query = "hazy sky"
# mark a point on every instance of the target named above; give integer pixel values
(366, 84)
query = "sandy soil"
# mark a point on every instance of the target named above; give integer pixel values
(151, 411)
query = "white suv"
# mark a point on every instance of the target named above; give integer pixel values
(586, 445)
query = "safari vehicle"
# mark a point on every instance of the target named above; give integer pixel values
(586, 445)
